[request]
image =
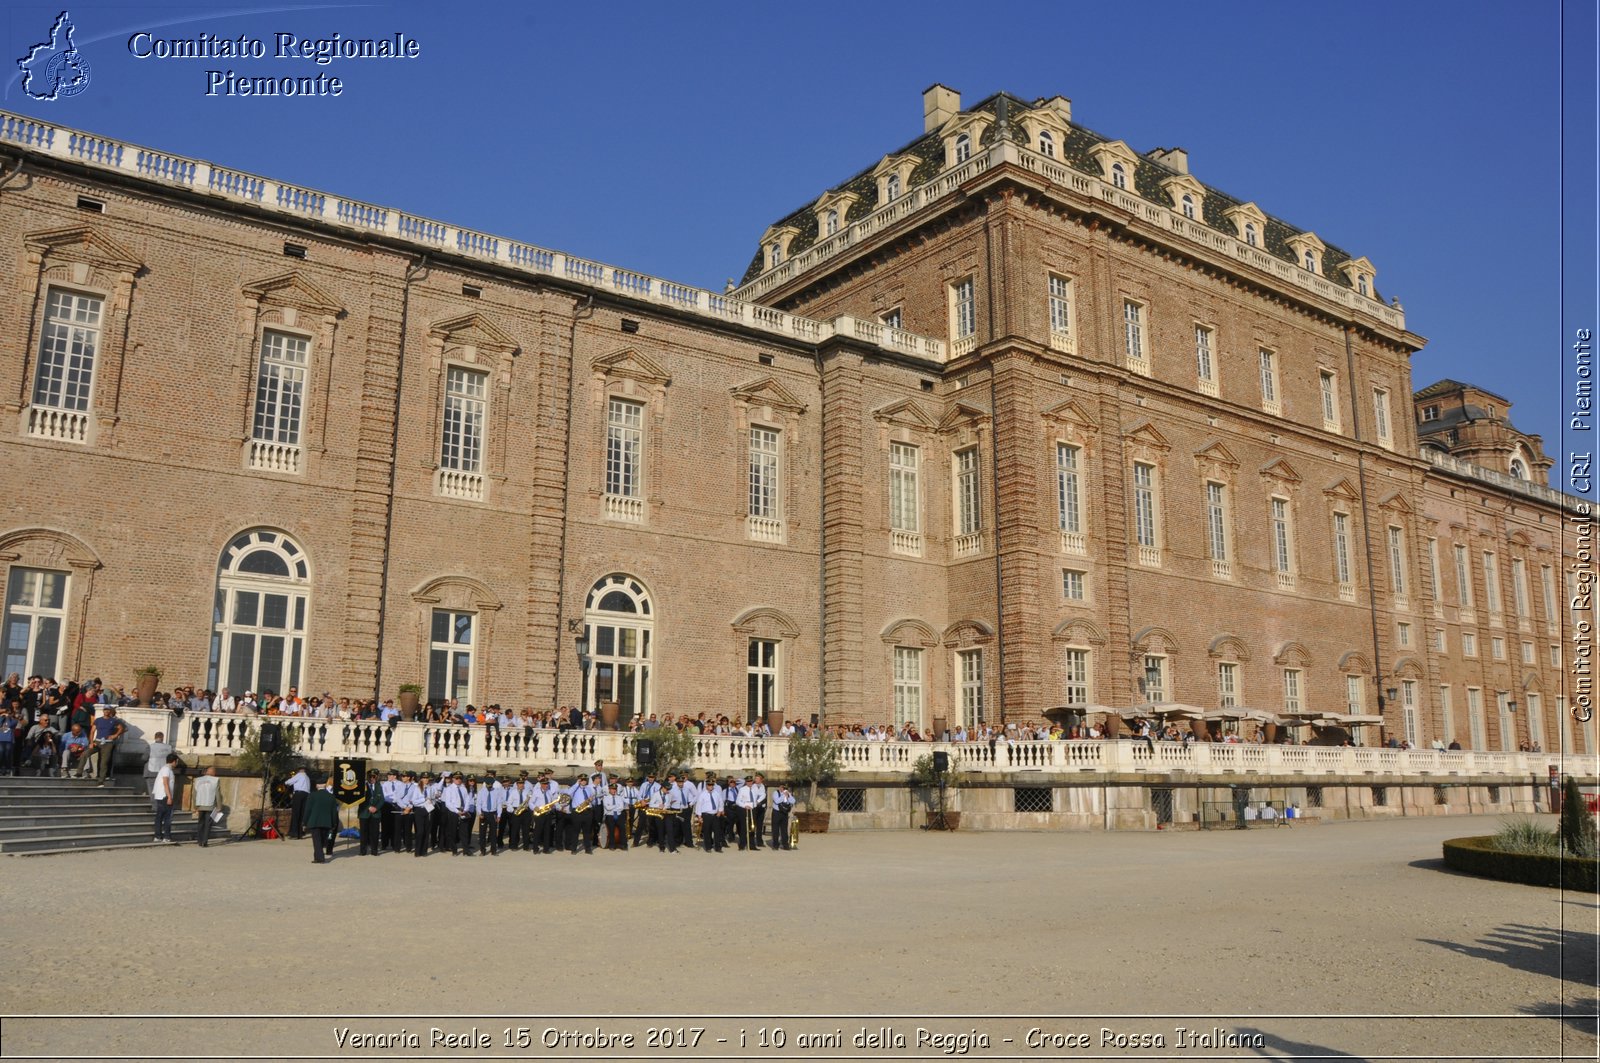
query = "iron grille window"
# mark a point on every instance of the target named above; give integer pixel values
(1032, 799)
(1313, 797)
(852, 799)
(1380, 796)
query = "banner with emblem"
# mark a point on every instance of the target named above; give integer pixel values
(349, 779)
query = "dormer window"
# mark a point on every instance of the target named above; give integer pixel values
(832, 224)
(1360, 273)
(1308, 251)
(1047, 144)
(1361, 284)
(1430, 413)
(1119, 175)
(774, 254)
(1186, 204)
(1250, 236)
(963, 148)
(1311, 261)
(1519, 471)
(776, 241)
(893, 178)
(893, 186)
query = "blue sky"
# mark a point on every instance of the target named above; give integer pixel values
(665, 138)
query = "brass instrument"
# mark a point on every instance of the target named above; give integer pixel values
(542, 809)
(581, 808)
(657, 811)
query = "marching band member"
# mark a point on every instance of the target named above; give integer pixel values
(417, 804)
(544, 802)
(644, 824)
(580, 801)
(782, 806)
(469, 814)
(370, 814)
(746, 800)
(730, 810)
(660, 816)
(491, 806)
(691, 797)
(434, 791)
(514, 816)
(598, 786)
(392, 789)
(758, 793)
(451, 806)
(708, 806)
(615, 807)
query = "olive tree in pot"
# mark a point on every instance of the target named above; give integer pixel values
(145, 682)
(410, 694)
(813, 762)
(933, 786)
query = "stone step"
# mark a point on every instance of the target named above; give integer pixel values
(48, 827)
(81, 842)
(45, 820)
(11, 807)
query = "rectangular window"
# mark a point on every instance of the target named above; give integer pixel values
(280, 388)
(1282, 546)
(969, 514)
(1227, 685)
(68, 345)
(1355, 694)
(1446, 716)
(764, 483)
(891, 318)
(1074, 584)
(1341, 547)
(1144, 504)
(450, 657)
(1269, 380)
(761, 679)
(1536, 720)
(1216, 522)
(1497, 648)
(624, 446)
(1491, 582)
(1547, 585)
(904, 511)
(963, 309)
(1329, 384)
(1527, 653)
(1433, 571)
(1133, 335)
(465, 400)
(1439, 643)
(1068, 499)
(1291, 690)
(1397, 561)
(1508, 729)
(1408, 705)
(1155, 678)
(1463, 578)
(969, 666)
(1475, 716)
(1519, 586)
(36, 614)
(1555, 656)
(1469, 644)
(1077, 687)
(1060, 308)
(1204, 370)
(1380, 414)
(1403, 635)
(907, 685)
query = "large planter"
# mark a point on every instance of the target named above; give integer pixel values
(609, 711)
(408, 705)
(952, 820)
(775, 722)
(812, 822)
(144, 690)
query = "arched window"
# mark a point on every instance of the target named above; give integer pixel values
(1311, 260)
(1188, 206)
(618, 622)
(1250, 233)
(833, 223)
(893, 186)
(1361, 283)
(1119, 175)
(1047, 143)
(1519, 471)
(258, 617)
(963, 148)
(776, 253)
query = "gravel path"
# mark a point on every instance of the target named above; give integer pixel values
(1225, 928)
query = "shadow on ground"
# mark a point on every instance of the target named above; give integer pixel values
(1578, 1014)
(1565, 954)
(1278, 1048)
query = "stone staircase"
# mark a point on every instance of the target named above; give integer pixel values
(72, 815)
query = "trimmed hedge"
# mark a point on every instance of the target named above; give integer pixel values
(1478, 856)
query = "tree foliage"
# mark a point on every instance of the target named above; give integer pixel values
(1577, 825)
(813, 761)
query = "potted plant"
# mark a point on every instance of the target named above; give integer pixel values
(145, 681)
(410, 694)
(674, 749)
(934, 785)
(813, 762)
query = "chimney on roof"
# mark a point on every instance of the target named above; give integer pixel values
(1172, 158)
(1059, 104)
(939, 105)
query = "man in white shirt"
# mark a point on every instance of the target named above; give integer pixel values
(163, 796)
(207, 799)
(299, 785)
(226, 702)
(159, 750)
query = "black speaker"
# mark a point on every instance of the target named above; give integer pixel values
(271, 737)
(941, 761)
(644, 752)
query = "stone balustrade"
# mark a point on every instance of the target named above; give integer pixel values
(275, 197)
(440, 746)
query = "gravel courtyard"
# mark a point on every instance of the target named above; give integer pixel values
(1308, 936)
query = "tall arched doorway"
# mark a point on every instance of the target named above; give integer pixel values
(618, 622)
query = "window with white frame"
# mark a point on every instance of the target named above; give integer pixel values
(1440, 645)
(1527, 653)
(1547, 587)
(1204, 369)
(1310, 260)
(1060, 308)
(1133, 332)
(1074, 584)
(832, 225)
(891, 187)
(891, 318)
(1217, 521)
(1469, 644)
(904, 474)
(1497, 648)
(1508, 730)
(775, 253)
(1291, 690)
(969, 666)
(1491, 582)
(1475, 716)
(1555, 656)
(1186, 204)
(1282, 538)
(1250, 235)
(1119, 175)
(280, 388)
(36, 614)
(1154, 677)
(969, 511)
(625, 448)
(761, 679)
(450, 656)
(1446, 715)
(1227, 685)
(1269, 379)
(1433, 567)
(1047, 143)
(1535, 720)
(765, 486)
(1076, 691)
(963, 148)
(258, 624)
(908, 685)
(1144, 505)
(1355, 694)
(1397, 561)
(1329, 383)
(1380, 415)
(1519, 586)
(1430, 412)
(1341, 547)
(70, 340)
(1408, 706)
(1069, 498)
(963, 309)
(1463, 577)
(1403, 634)
(465, 403)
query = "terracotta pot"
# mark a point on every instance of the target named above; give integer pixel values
(408, 705)
(775, 722)
(812, 822)
(145, 689)
(609, 711)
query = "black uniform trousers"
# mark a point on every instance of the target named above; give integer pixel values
(710, 832)
(780, 827)
(419, 830)
(616, 831)
(760, 827)
(489, 832)
(369, 836)
(464, 824)
(297, 814)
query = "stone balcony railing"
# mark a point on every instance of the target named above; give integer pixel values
(264, 194)
(441, 746)
(1499, 479)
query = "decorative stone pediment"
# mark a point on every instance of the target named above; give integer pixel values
(1280, 471)
(292, 290)
(1229, 648)
(1071, 413)
(907, 413)
(629, 364)
(1146, 436)
(1359, 270)
(1048, 120)
(1519, 538)
(1292, 655)
(1111, 152)
(1354, 663)
(474, 331)
(963, 417)
(83, 244)
(968, 633)
(1303, 243)
(764, 622)
(1216, 461)
(1154, 639)
(47, 548)
(839, 202)
(908, 632)
(1180, 185)
(1078, 631)
(767, 392)
(1394, 502)
(457, 592)
(1408, 668)
(974, 124)
(1342, 490)
(1248, 214)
